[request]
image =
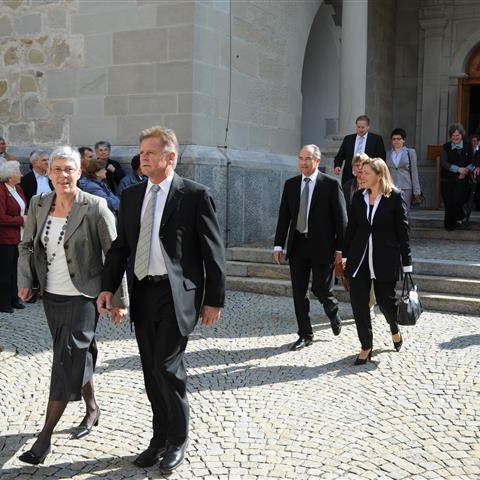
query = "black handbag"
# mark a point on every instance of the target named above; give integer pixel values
(409, 307)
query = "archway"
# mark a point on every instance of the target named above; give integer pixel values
(468, 107)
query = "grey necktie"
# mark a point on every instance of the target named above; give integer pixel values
(302, 211)
(142, 257)
(360, 145)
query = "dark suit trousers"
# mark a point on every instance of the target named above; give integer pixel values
(301, 265)
(162, 349)
(360, 286)
(8, 276)
(454, 196)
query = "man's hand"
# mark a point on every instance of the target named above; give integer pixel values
(110, 168)
(118, 314)
(25, 294)
(209, 315)
(104, 302)
(337, 170)
(277, 256)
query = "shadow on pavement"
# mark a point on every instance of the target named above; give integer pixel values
(464, 341)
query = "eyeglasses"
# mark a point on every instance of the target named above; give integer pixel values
(68, 170)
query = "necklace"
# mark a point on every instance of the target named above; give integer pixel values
(46, 240)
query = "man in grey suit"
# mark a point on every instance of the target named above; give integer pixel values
(169, 229)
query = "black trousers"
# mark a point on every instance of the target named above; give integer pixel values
(360, 286)
(454, 195)
(162, 349)
(8, 276)
(301, 265)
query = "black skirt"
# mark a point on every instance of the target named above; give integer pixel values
(72, 321)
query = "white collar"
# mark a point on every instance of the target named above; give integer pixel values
(164, 184)
(312, 177)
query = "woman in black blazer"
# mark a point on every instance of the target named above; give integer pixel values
(375, 248)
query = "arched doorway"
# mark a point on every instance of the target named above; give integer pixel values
(468, 107)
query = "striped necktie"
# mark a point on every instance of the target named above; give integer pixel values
(142, 257)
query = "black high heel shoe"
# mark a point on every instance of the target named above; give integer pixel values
(32, 458)
(363, 361)
(84, 429)
(398, 345)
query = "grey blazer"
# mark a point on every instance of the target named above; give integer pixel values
(89, 234)
(401, 174)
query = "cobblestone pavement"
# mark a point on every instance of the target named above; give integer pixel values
(259, 410)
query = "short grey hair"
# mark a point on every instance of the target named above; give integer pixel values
(317, 154)
(9, 169)
(66, 152)
(36, 154)
(454, 127)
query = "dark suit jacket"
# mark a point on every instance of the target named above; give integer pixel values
(191, 243)
(29, 185)
(326, 217)
(374, 148)
(389, 229)
(10, 218)
(113, 178)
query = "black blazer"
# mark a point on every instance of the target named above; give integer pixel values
(374, 148)
(113, 178)
(390, 238)
(191, 243)
(326, 218)
(29, 185)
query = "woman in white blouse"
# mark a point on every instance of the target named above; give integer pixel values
(402, 164)
(12, 218)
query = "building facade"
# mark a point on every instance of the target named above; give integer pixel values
(243, 83)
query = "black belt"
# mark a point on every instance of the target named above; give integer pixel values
(155, 278)
(301, 234)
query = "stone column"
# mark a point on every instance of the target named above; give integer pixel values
(353, 68)
(434, 31)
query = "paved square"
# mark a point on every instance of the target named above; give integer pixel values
(258, 410)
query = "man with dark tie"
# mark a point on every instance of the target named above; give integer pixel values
(311, 224)
(363, 141)
(36, 181)
(168, 226)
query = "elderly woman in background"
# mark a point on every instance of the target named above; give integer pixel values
(402, 164)
(12, 218)
(94, 183)
(457, 163)
(375, 248)
(67, 231)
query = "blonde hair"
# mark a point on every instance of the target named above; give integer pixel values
(379, 166)
(359, 158)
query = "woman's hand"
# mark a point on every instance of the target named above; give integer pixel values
(118, 314)
(25, 294)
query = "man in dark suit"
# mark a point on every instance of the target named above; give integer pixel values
(362, 141)
(169, 229)
(114, 170)
(311, 223)
(36, 181)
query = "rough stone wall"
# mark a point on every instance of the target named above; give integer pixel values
(35, 46)
(380, 65)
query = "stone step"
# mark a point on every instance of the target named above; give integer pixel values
(262, 259)
(430, 283)
(422, 222)
(430, 301)
(442, 234)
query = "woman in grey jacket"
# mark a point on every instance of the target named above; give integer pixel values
(402, 164)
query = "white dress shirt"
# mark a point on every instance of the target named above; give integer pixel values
(42, 183)
(357, 148)
(156, 264)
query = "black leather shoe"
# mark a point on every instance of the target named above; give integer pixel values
(84, 428)
(150, 456)
(300, 343)
(6, 310)
(174, 456)
(18, 305)
(32, 458)
(336, 325)
(398, 345)
(363, 361)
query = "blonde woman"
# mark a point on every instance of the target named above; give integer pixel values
(375, 248)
